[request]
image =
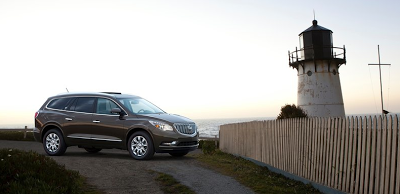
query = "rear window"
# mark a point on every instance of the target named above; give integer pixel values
(59, 103)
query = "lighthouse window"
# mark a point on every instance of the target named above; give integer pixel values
(334, 72)
(309, 73)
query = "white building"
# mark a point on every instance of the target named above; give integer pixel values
(317, 62)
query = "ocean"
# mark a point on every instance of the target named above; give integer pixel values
(210, 127)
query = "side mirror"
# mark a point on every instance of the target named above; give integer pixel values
(116, 110)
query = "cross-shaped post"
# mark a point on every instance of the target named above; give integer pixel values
(380, 77)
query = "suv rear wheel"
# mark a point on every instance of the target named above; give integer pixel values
(53, 143)
(140, 146)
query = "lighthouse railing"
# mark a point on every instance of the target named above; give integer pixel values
(309, 54)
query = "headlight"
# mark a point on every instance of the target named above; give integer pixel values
(161, 126)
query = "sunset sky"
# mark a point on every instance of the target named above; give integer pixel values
(197, 58)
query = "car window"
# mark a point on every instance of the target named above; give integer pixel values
(59, 103)
(104, 106)
(84, 104)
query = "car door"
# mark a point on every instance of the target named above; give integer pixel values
(78, 121)
(108, 128)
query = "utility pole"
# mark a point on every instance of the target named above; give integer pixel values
(380, 77)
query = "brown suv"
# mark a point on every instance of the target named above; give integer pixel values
(96, 121)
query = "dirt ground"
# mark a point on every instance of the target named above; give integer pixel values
(114, 171)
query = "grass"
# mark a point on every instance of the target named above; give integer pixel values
(16, 136)
(30, 172)
(169, 185)
(256, 177)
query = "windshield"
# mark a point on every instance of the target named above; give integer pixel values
(140, 106)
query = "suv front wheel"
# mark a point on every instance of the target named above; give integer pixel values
(53, 143)
(140, 146)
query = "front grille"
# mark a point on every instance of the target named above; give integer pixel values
(186, 128)
(188, 143)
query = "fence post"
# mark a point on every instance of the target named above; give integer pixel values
(26, 129)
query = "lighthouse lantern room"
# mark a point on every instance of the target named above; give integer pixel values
(317, 62)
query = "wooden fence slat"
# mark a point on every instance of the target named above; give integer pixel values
(354, 156)
(378, 155)
(325, 148)
(336, 144)
(293, 145)
(368, 125)
(347, 154)
(279, 139)
(319, 152)
(388, 152)
(313, 149)
(373, 129)
(309, 148)
(358, 164)
(285, 145)
(300, 146)
(395, 137)
(297, 149)
(274, 144)
(342, 153)
(383, 156)
(330, 152)
(397, 187)
(363, 153)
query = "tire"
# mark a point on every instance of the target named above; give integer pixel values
(178, 154)
(53, 143)
(92, 150)
(140, 146)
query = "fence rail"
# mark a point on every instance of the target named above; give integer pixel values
(354, 154)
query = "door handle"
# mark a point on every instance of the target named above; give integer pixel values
(96, 121)
(68, 119)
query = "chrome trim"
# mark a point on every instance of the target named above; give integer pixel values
(68, 119)
(78, 137)
(161, 146)
(96, 121)
(102, 139)
(85, 112)
(186, 128)
(93, 138)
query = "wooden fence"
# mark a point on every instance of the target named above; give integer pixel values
(354, 154)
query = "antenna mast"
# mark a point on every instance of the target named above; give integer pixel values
(380, 77)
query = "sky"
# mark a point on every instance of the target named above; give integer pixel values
(198, 58)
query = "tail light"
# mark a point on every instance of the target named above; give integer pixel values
(36, 114)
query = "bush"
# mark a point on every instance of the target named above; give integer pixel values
(291, 111)
(208, 147)
(16, 136)
(29, 172)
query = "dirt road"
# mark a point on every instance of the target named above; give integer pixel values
(114, 171)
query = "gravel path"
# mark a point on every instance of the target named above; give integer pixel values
(114, 171)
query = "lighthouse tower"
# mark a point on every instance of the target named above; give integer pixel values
(317, 62)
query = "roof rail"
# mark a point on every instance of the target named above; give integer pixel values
(111, 92)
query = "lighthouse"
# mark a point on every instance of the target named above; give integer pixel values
(317, 62)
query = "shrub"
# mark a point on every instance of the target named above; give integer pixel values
(29, 172)
(208, 147)
(16, 136)
(291, 111)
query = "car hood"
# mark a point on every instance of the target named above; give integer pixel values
(169, 118)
